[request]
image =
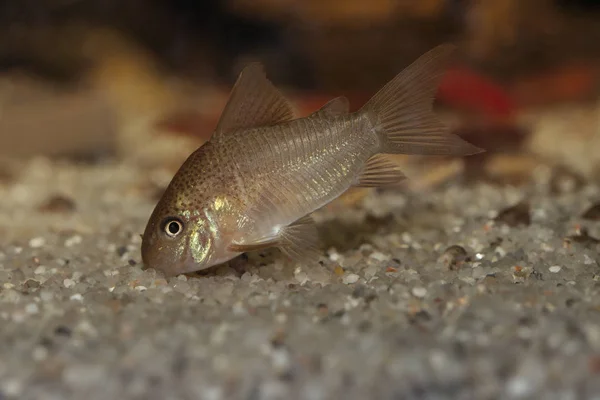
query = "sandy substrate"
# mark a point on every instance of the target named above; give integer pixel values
(389, 313)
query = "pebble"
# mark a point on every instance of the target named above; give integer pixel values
(419, 292)
(37, 242)
(32, 308)
(350, 279)
(39, 270)
(454, 257)
(39, 353)
(516, 215)
(300, 276)
(587, 260)
(12, 387)
(334, 257)
(46, 295)
(68, 283)
(58, 204)
(73, 240)
(555, 269)
(379, 256)
(83, 376)
(77, 297)
(592, 213)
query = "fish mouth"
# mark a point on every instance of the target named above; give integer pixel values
(185, 267)
(173, 268)
(189, 265)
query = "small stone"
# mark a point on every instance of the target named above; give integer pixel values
(46, 295)
(338, 270)
(581, 237)
(564, 180)
(83, 376)
(334, 257)
(350, 279)
(379, 256)
(555, 269)
(300, 276)
(40, 353)
(281, 361)
(592, 213)
(73, 240)
(31, 284)
(12, 387)
(121, 251)
(32, 308)
(500, 251)
(39, 270)
(520, 274)
(516, 215)
(68, 283)
(281, 318)
(37, 242)
(62, 330)
(58, 204)
(419, 292)
(77, 297)
(454, 257)
(587, 260)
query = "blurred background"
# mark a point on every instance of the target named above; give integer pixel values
(146, 80)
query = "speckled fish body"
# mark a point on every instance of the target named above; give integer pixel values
(253, 185)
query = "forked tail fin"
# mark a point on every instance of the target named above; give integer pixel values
(402, 111)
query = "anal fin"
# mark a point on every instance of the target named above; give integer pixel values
(298, 241)
(379, 171)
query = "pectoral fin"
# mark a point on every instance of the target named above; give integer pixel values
(298, 241)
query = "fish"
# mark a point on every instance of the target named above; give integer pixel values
(255, 183)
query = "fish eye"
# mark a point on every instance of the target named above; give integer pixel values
(173, 227)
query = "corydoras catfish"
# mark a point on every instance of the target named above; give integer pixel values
(254, 184)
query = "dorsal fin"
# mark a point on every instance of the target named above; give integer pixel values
(338, 106)
(254, 101)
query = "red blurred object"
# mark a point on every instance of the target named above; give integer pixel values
(466, 89)
(571, 82)
(461, 88)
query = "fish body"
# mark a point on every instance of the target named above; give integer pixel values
(254, 184)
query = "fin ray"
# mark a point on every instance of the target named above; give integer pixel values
(402, 113)
(379, 171)
(254, 101)
(299, 241)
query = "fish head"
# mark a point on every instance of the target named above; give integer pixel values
(177, 242)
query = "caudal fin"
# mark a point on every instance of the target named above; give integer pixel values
(402, 111)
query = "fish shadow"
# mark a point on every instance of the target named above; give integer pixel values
(344, 235)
